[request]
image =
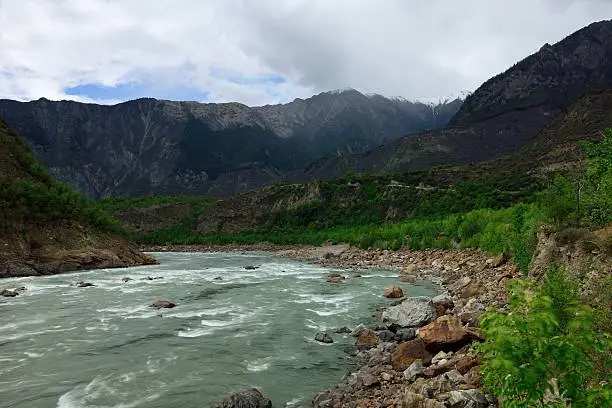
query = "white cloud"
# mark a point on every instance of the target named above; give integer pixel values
(414, 49)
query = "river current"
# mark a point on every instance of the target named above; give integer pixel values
(233, 328)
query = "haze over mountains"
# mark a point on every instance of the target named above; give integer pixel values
(149, 146)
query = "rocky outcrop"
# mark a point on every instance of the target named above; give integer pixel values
(46, 227)
(149, 146)
(323, 337)
(446, 333)
(252, 398)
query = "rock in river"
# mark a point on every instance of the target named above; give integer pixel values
(81, 284)
(8, 293)
(163, 304)
(324, 337)
(252, 398)
(335, 278)
(413, 312)
(394, 292)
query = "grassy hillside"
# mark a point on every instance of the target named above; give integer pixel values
(48, 227)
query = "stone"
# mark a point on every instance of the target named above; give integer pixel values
(466, 363)
(471, 290)
(498, 261)
(413, 312)
(386, 376)
(398, 301)
(441, 356)
(343, 330)
(413, 371)
(126, 279)
(440, 309)
(367, 339)
(394, 292)
(163, 304)
(413, 400)
(369, 380)
(465, 399)
(409, 269)
(357, 330)
(252, 398)
(8, 293)
(408, 352)
(386, 335)
(445, 333)
(444, 300)
(471, 312)
(459, 284)
(324, 337)
(455, 376)
(405, 334)
(473, 377)
(251, 267)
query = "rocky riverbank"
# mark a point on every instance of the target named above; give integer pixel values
(418, 355)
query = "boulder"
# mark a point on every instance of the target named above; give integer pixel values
(394, 292)
(163, 304)
(408, 352)
(473, 377)
(251, 267)
(386, 336)
(367, 339)
(446, 333)
(8, 293)
(126, 279)
(405, 334)
(465, 398)
(471, 312)
(466, 363)
(471, 290)
(324, 337)
(413, 312)
(413, 371)
(443, 300)
(441, 356)
(459, 284)
(252, 398)
(398, 301)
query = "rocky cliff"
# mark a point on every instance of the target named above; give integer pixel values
(505, 114)
(45, 226)
(151, 146)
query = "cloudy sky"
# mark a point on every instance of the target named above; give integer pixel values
(270, 51)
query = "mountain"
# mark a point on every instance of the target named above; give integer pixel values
(505, 114)
(150, 146)
(47, 227)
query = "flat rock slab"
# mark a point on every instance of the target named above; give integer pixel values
(412, 312)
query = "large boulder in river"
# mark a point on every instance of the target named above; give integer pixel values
(413, 312)
(163, 304)
(394, 292)
(335, 278)
(252, 398)
(323, 337)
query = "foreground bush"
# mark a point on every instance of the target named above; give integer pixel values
(544, 349)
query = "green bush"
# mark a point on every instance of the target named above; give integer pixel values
(543, 350)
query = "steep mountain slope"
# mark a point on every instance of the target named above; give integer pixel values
(553, 149)
(503, 115)
(148, 146)
(45, 226)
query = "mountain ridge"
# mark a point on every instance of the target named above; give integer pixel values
(148, 146)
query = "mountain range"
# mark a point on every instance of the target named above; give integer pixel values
(149, 146)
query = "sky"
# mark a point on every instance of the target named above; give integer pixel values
(271, 51)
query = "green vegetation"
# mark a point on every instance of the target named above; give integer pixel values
(31, 195)
(114, 205)
(545, 350)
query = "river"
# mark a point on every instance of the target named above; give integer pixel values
(233, 328)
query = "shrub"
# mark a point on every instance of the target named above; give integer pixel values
(543, 350)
